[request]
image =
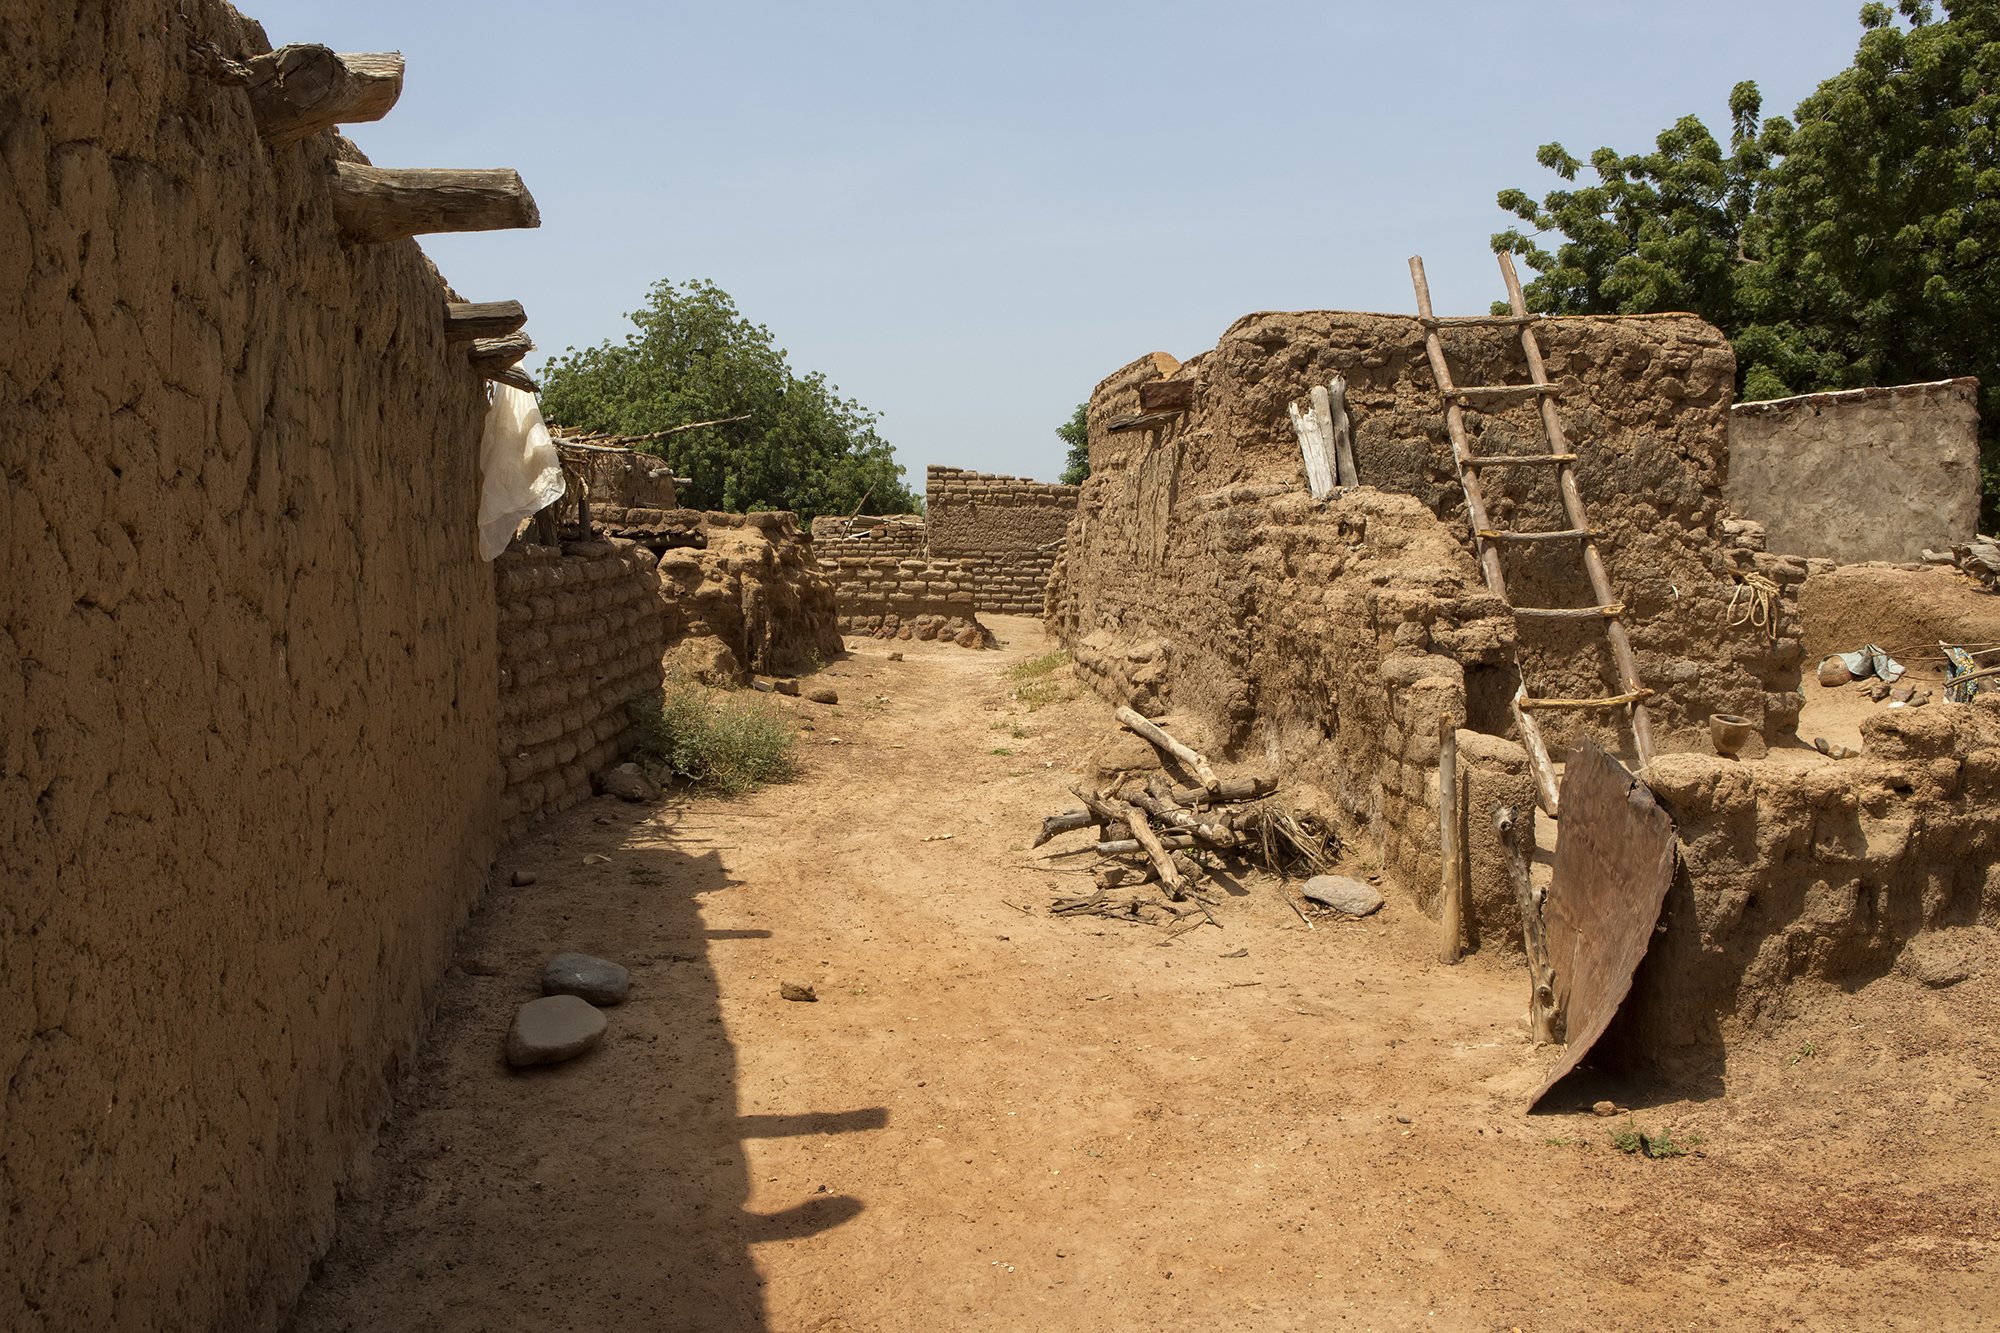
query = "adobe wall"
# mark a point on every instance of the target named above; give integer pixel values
(749, 597)
(1006, 532)
(1797, 867)
(248, 679)
(1862, 474)
(581, 629)
(899, 536)
(1326, 639)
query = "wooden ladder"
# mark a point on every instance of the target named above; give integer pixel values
(1489, 541)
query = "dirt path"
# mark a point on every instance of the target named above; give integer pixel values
(997, 1120)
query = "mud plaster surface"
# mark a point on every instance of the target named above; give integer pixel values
(247, 678)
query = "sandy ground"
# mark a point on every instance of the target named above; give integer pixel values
(993, 1119)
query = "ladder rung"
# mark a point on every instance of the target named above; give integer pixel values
(1561, 534)
(1613, 701)
(1515, 460)
(1478, 321)
(1608, 611)
(1465, 393)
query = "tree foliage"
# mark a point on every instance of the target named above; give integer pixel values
(1076, 434)
(1855, 243)
(693, 357)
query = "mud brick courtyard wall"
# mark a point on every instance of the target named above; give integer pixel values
(1863, 474)
(248, 679)
(1005, 531)
(582, 631)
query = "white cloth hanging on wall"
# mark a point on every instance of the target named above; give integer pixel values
(519, 473)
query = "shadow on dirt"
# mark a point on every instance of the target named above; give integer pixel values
(609, 1191)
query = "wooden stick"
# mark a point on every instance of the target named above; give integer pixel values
(1151, 731)
(1142, 833)
(482, 319)
(1452, 874)
(513, 375)
(373, 204)
(1174, 816)
(1178, 842)
(1313, 449)
(297, 91)
(1063, 822)
(1534, 934)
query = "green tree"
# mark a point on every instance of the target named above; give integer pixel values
(693, 357)
(1076, 434)
(1855, 243)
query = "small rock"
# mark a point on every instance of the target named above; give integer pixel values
(1833, 671)
(587, 978)
(1878, 690)
(628, 782)
(798, 990)
(762, 686)
(523, 878)
(1343, 894)
(786, 687)
(823, 695)
(1937, 960)
(1919, 697)
(1604, 1108)
(1402, 1120)
(1901, 694)
(484, 967)
(895, 657)
(553, 1029)
(1237, 953)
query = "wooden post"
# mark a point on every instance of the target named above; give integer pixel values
(1314, 448)
(297, 91)
(1451, 888)
(374, 204)
(1534, 934)
(482, 319)
(1343, 437)
(513, 376)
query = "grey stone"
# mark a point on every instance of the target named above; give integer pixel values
(553, 1029)
(1343, 894)
(628, 783)
(592, 979)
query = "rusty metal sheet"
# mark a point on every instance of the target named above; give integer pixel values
(1614, 862)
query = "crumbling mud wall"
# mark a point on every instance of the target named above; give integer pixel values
(1862, 474)
(1331, 637)
(1006, 531)
(888, 586)
(1795, 867)
(247, 678)
(582, 629)
(749, 598)
(897, 536)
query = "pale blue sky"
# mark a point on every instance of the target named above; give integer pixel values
(968, 215)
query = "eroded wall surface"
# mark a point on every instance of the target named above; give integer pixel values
(582, 630)
(750, 597)
(247, 678)
(1005, 531)
(1863, 474)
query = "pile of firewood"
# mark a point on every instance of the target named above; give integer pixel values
(1160, 839)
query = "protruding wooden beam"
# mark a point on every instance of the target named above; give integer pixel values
(513, 375)
(387, 203)
(482, 319)
(296, 91)
(495, 353)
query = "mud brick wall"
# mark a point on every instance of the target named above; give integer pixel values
(749, 598)
(1006, 530)
(902, 536)
(1864, 474)
(1817, 870)
(247, 679)
(582, 630)
(871, 587)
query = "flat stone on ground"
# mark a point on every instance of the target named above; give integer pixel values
(553, 1029)
(594, 979)
(1343, 894)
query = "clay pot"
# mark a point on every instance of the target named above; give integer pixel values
(1730, 733)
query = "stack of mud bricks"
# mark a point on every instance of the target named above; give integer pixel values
(581, 636)
(1739, 558)
(1006, 531)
